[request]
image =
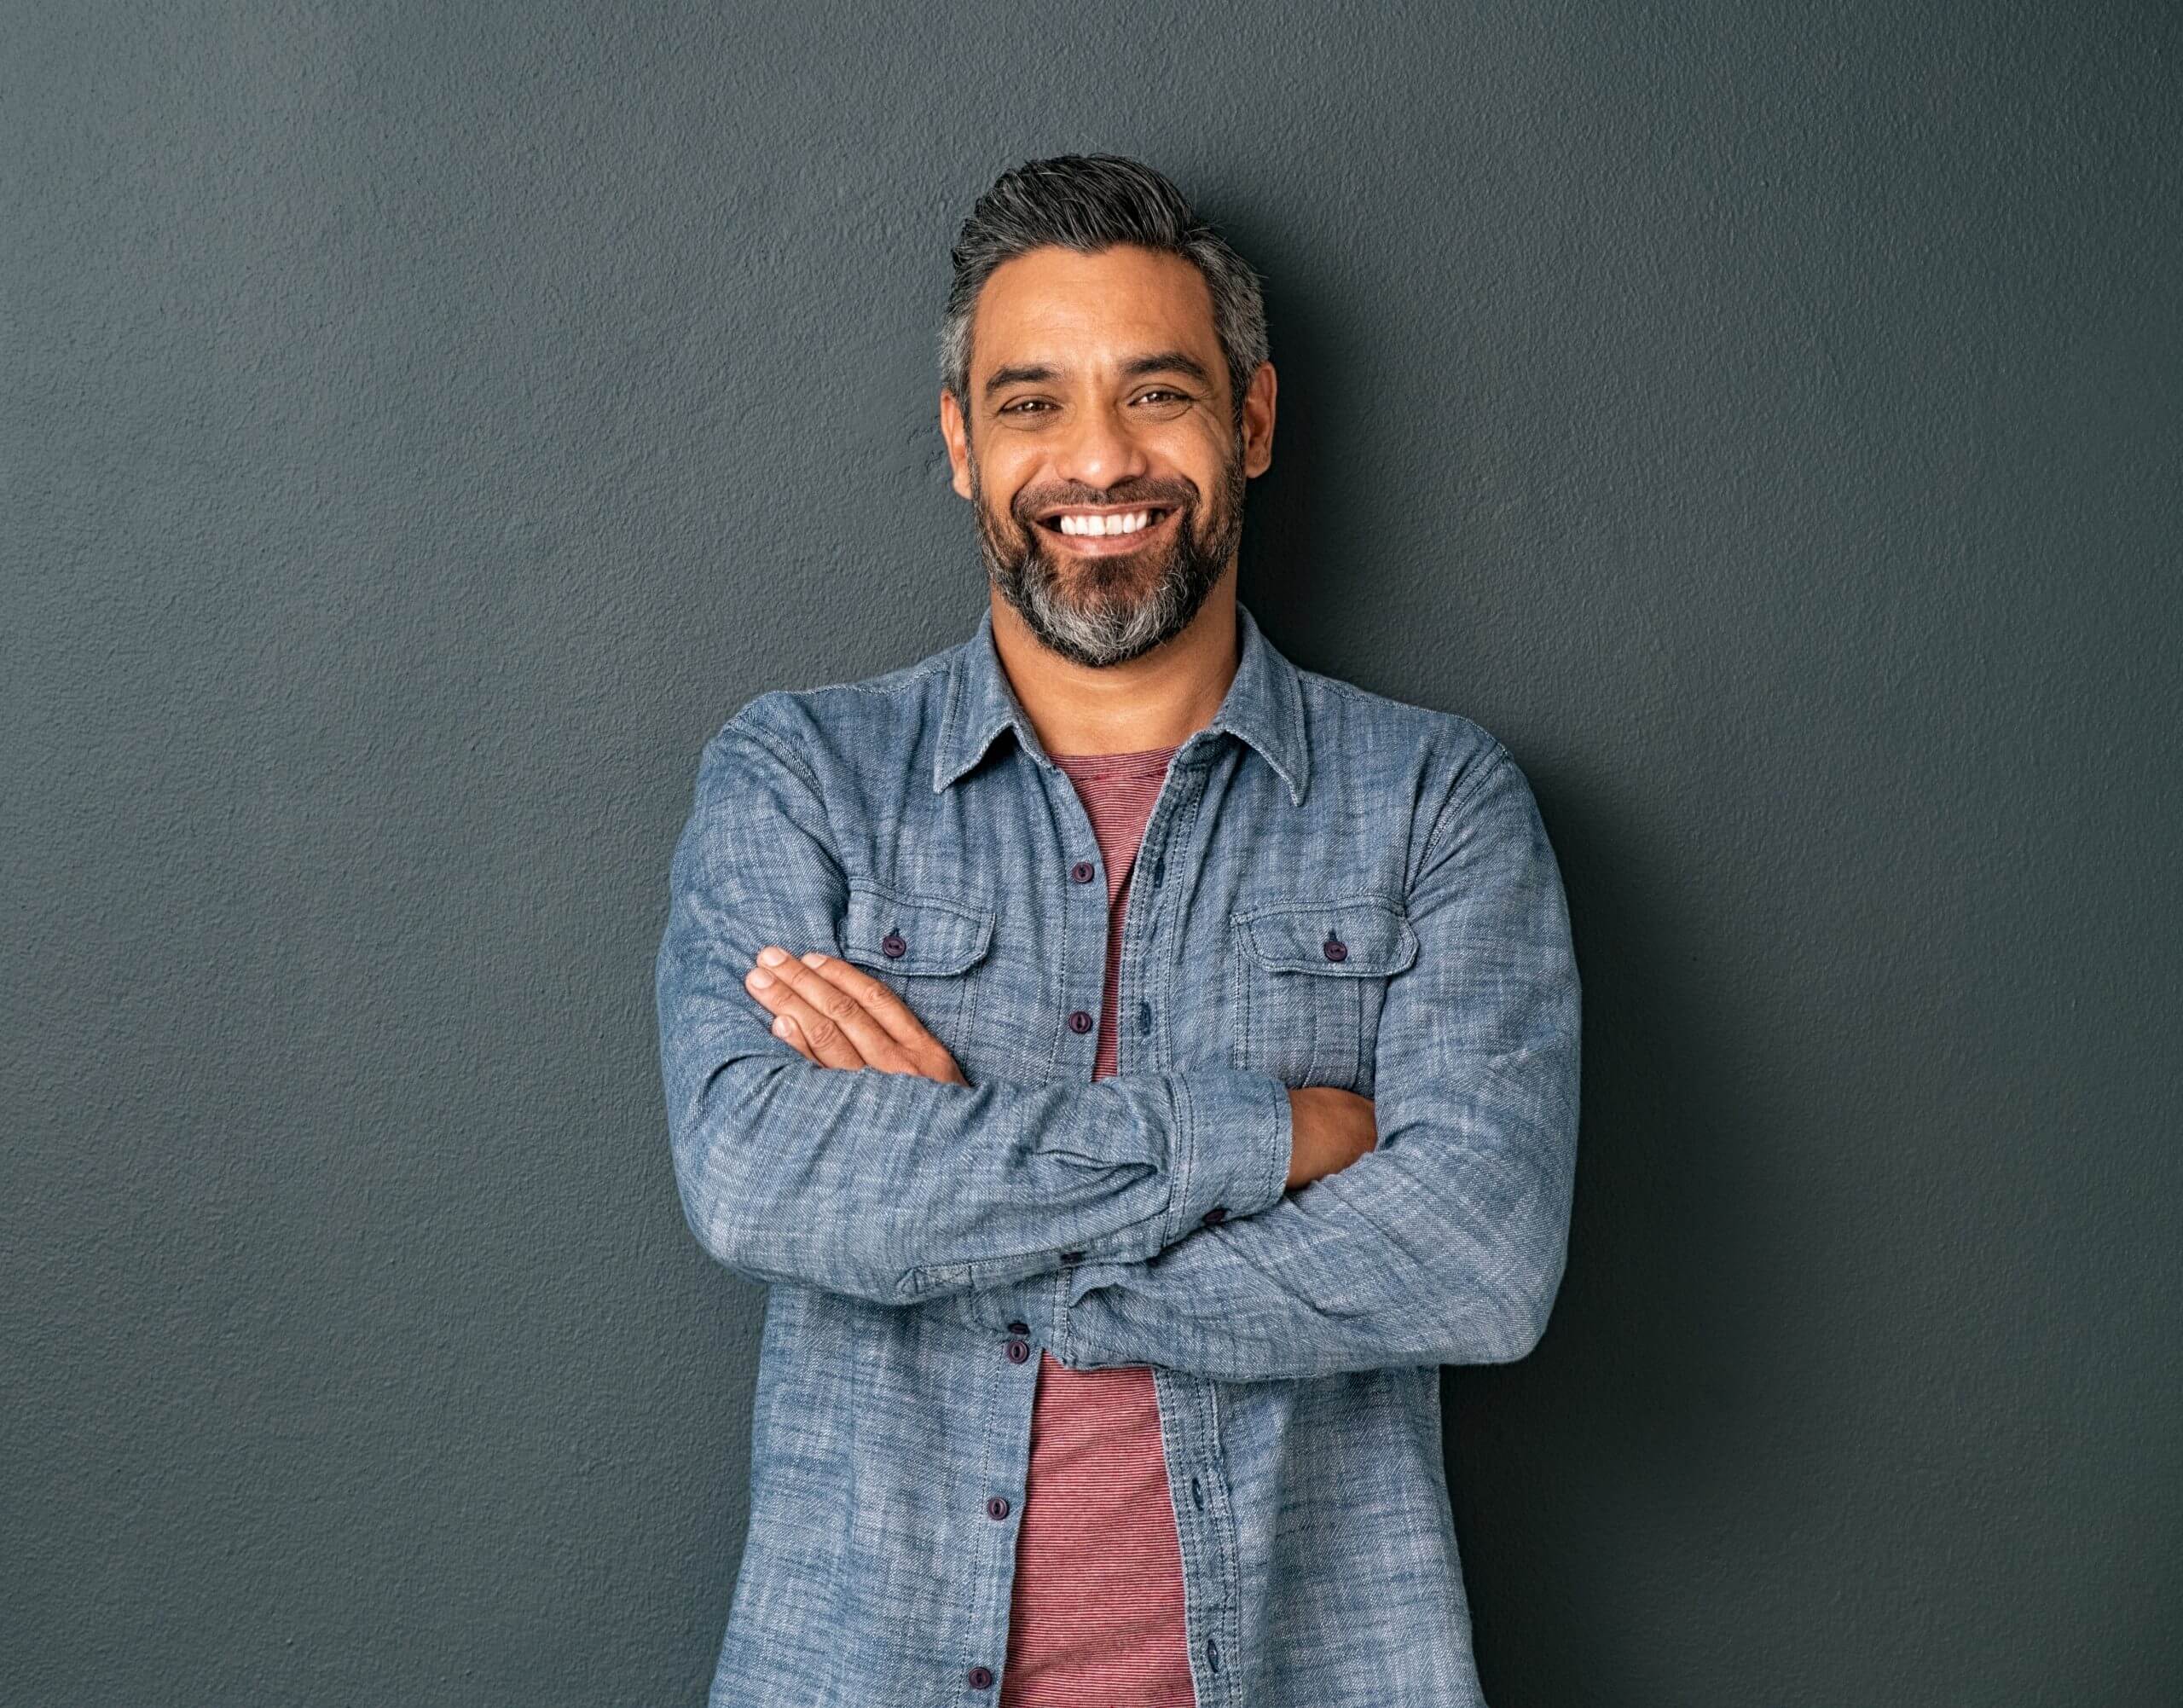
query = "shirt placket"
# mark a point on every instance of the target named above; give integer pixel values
(1004, 1460)
(1190, 1422)
(1189, 1417)
(1004, 1457)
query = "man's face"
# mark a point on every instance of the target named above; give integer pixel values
(1099, 398)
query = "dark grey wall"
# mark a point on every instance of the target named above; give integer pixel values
(420, 425)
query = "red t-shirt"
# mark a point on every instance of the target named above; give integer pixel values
(1097, 1616)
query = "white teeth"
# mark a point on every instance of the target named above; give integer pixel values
(1103, 525)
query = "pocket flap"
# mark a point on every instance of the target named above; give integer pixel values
(1356, 937)
(896, 931)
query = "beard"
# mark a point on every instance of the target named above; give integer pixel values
(1107, 610)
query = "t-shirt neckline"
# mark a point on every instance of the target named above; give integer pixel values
(1138, 759)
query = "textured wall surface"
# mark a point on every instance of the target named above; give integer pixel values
(421, 425)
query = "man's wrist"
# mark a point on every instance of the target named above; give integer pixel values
(1237, 1129)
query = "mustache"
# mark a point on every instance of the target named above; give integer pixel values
(1173, 495)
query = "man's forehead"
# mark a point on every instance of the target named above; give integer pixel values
(1059, 309)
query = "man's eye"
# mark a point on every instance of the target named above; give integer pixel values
(1024, 406)
(1158, 391)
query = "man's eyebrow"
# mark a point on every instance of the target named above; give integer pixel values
(1168, 361)
(1161, 362)
(1029, 375)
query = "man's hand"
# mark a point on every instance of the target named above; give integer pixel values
(838, 1017)
(1331, 1128)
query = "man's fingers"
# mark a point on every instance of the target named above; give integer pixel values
(797, 1023)
(785, 1028)
(845, 1018)
(840, 1029)
(916, 1049)
(892, 1013)
(817, 1034)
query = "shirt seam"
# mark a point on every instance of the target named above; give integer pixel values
(743, 724)
(1497, 758)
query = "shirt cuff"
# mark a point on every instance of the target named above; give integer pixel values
(1236, 1132)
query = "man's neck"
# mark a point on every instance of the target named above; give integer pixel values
(1158, 700)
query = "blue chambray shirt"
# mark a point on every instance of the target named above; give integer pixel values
(1335, 888)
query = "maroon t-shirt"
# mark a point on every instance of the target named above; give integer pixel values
(1096, 1616)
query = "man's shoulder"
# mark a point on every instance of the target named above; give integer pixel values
(867, 717)
(1426, 744)
(891, 694)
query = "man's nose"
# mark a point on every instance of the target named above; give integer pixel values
(1097, 450)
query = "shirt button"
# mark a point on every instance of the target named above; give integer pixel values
(892, 945)
(1336, 949)
(1072, 1257)
(1144, 1016)
(1197, 1492)
(997, 1506)
(1213, 1654)
(1215, 1216)
(980, 1677)
(1018, 1351)
(1081, 872)
(1019, 1328)
(1080, 1021)
(1159, 871)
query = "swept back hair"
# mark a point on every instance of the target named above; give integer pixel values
(1088, 203)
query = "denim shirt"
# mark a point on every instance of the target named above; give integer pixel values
(1335, 888)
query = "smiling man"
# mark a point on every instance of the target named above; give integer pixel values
(1136, 1063)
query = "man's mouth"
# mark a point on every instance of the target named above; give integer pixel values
(1107, 531)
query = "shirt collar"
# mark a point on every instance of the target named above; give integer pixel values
(1264, 707)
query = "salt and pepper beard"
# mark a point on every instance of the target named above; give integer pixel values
(1111, 627)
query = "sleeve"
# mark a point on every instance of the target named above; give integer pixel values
(1445, 1243)
(892, 1187)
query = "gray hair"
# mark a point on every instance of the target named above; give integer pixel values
(1088, 203)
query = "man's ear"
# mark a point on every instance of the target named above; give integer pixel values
(1258, 421)
(953, 429)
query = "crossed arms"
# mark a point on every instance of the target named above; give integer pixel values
(1444, 1243)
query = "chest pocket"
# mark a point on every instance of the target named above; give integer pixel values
(922, 947)
(1310, 978)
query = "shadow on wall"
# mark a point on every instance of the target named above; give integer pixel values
(1281, 551)
(1624, 1410)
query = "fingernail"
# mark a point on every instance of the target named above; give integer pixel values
(784, 1027)
(814, 959)
(759, 978)
(771, 957)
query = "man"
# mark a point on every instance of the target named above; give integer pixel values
(1222, 1019)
